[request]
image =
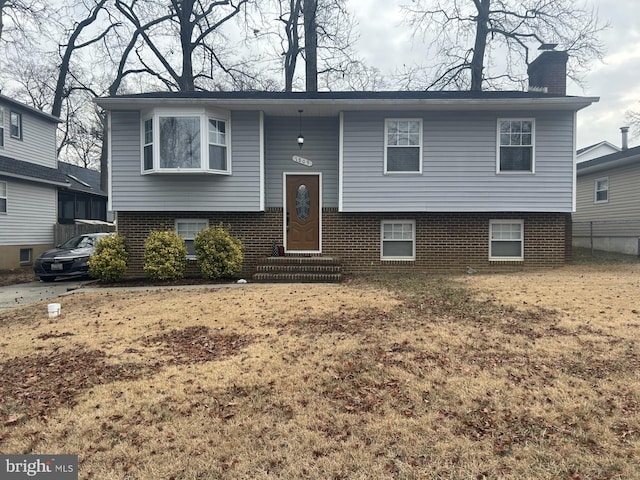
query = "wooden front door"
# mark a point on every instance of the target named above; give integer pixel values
(302, 215)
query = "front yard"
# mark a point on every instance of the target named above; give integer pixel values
(521, 375)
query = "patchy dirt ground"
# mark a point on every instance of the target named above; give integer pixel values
(19, 275)
(528, 375)
(582, 292)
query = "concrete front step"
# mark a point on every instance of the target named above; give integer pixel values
(298, 269)
(298, 277)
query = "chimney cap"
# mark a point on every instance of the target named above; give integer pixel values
(547, 46)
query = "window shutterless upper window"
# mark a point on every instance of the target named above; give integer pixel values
(516, 140)
(185, 142)
(398, 240)
(602, 190)
(15, 125)
(506, 240)
(403, 145)
(3, 197)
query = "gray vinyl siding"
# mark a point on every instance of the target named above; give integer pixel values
(624, 198)
(459, 165)
(132, 191)
(31, 213)
(320, 146)
(38, 144)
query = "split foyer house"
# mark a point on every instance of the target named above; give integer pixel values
(381, 180)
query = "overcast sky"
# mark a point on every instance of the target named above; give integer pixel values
(385, 43)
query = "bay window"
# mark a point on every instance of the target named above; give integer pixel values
(185, 141)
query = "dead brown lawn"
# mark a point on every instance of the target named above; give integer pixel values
(523, 375)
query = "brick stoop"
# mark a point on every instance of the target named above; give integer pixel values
(298, 269)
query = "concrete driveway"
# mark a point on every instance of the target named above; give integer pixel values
(25, 293)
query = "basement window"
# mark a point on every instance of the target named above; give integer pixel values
(506, 240)
(188, 228)
(398, 240)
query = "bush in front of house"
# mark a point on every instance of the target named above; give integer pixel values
(108, 263)
(219, 254)
(165, 256)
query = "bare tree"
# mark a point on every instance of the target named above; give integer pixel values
(188, 33)
(16, 15)
(470, 35)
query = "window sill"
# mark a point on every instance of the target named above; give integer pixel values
(506, 259)
(398, 259)
(417, 174)
(186, 171)
(519, 172)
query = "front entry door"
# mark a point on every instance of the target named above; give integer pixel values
(302, 214)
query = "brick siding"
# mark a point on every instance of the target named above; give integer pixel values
(444, 241)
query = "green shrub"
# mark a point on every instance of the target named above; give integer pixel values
(109, 260)
(165, 256)
(218, 253)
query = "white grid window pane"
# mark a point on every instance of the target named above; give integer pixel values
(189, 229)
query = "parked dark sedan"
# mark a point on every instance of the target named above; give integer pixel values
(69, 259)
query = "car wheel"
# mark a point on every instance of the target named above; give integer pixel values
(47, 279)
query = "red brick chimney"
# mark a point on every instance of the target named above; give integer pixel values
(548, 72)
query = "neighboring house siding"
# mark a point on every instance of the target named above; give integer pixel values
(320, 146)
(624, 195)
(38, 144)
(132, 191)
(459, 165)
(619, 216)
(31, 213)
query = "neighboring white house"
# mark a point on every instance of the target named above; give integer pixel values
(596, 150)
(29, 180)
(607, 213)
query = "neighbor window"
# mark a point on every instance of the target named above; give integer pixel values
(398, 240)
(3, 197)
(602, 190)
(506, 240)
(1, 127)
(16, 125)
(188, 229)
(185, 142)
(25, 256)
(403, 145)
(515, 141)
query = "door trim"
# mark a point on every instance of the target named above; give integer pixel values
(284, 209)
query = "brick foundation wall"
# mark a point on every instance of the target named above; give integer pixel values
(444, 241)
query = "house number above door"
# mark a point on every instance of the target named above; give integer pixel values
(303, 202)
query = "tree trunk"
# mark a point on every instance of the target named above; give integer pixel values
(482, 29)
(186, 82)
(311, 45)
(293, 44)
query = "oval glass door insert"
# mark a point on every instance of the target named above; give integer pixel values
(303, 202)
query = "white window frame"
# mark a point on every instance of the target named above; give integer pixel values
(1, 127)
(387, 146)
(383, 240)
(596, 190)
(18, 115)
(533, 147)
(203, 115)
(491, 240)
(179, 221)
(4, 195)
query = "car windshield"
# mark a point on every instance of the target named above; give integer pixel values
(78, 242)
